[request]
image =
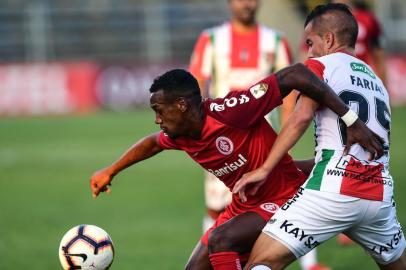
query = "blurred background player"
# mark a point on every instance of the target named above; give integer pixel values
(369, 46)
(230, 57)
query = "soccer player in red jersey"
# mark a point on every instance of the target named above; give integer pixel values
(228, 137)
(231, 57)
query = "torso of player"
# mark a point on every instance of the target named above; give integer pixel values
(229, 153)
(235, 60)
(358, 86)
(236, 139)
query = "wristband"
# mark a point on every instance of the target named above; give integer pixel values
(349, 117)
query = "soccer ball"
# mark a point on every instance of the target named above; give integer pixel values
(86, 247)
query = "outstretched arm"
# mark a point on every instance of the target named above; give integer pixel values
(299, 77)
(290, 133)
(143, 149)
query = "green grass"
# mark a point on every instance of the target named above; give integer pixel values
(154, 211)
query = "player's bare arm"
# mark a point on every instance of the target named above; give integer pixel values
(291, 132)
(143, 149)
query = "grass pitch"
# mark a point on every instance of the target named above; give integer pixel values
(154, 211)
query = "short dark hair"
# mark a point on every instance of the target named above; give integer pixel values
(345, 26)
(177, 83)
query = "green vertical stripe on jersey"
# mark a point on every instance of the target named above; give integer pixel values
(276, 52)
(318, 172)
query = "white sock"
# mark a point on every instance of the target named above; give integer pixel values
(308, 260)
(207, 223)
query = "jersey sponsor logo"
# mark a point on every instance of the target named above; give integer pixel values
(301, 235)
(359, 67)
(229, 167)
(356, 169)
(393, 243)
(229, 102)
(360, 177)
(259, 90)
(224, 145)
(270, 207)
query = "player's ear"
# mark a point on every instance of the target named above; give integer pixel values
(182, 104)
(329, 39)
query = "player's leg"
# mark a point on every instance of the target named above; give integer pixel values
(199, 259)
(217, 197)
(269, 252)
(398, 264)
(234, 238)
(304, 222)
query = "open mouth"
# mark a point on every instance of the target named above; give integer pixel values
(164, 130)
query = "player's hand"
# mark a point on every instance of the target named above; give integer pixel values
(100, 182)
(256, 178)
(361, 134)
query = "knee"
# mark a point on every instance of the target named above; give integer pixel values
(220, 240)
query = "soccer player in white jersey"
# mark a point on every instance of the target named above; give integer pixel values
(231, 57)
(349, 190)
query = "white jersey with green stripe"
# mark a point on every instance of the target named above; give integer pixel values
(359, 87)
(233, 61)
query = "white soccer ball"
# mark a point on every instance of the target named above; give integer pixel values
(86, 247)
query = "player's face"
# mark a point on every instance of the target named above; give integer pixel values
(244, 10)
(168, 115)
(315, 43)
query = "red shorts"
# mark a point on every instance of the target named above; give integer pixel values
(265, 210)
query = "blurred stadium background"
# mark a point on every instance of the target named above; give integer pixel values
(73, 92)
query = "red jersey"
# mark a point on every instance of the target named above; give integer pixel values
(236, 139)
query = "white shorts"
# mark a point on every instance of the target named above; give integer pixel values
(217, 195)
(312, 217)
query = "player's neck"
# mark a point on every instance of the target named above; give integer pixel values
(196, 123)
(344, 49)
(243, 28)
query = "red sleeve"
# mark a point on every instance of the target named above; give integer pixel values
(316, 67)
(198, 57)
(242, 109)
(165, 142)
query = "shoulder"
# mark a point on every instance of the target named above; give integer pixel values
(317, 66)
(270, 32)
(218, 29)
